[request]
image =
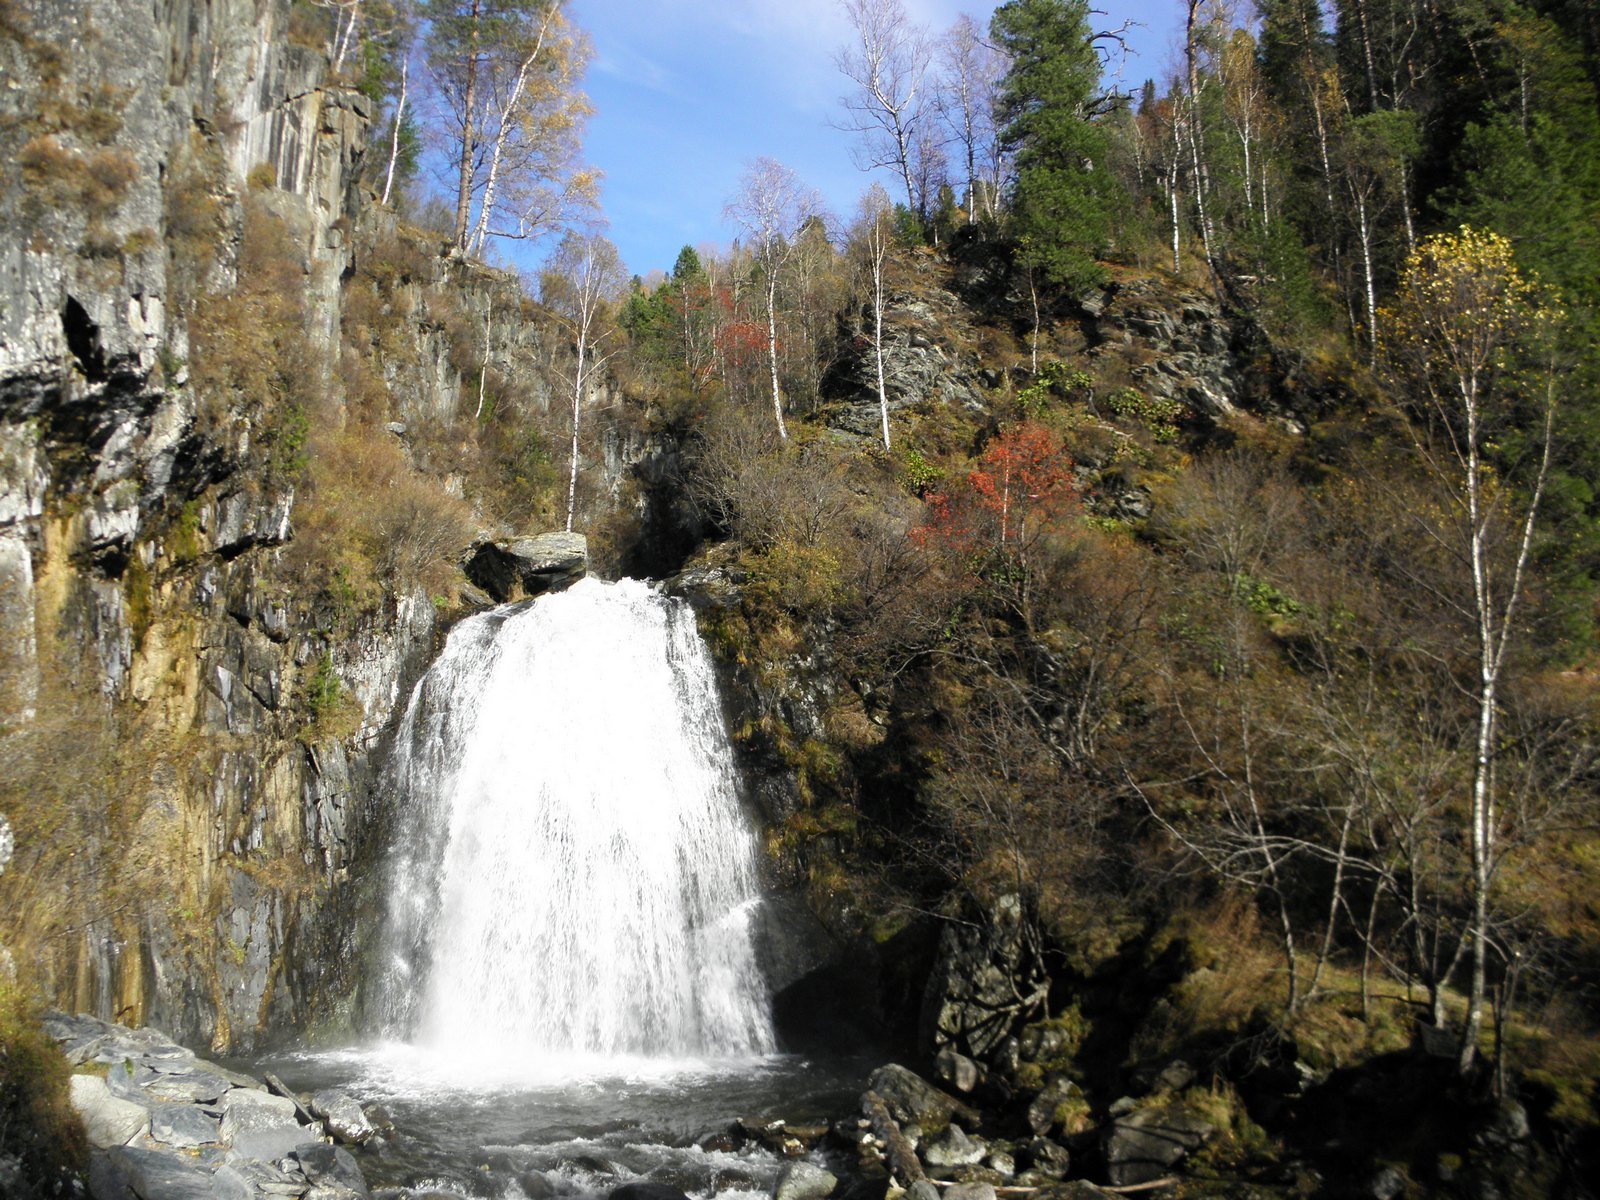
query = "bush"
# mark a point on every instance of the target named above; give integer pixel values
(38, 1126)
(367, 522)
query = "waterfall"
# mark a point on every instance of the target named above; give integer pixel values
(574, 873)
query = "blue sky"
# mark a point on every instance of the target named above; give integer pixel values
(687, 92)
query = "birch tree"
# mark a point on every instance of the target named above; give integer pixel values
(969, 77)
(505, 74)
(584, 277)
(1463, 318)
(888, 62)
(770, 207)
(875, 231)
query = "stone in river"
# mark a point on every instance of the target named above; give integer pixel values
(643, 1189)
(343, 1116)
(803, 1181)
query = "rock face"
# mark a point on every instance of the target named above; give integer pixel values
(529, 566)
(152, 526)
(984, 983)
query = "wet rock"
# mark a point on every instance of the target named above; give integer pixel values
(529, 566)
(645, 1190)
(803, 1181)
(912, 1100)
(260, 1126)
(922, 1189)
(970, 1191)
(1147, 1144)
(952, 1148)
(333, 1174)
(343, 1116)
(721, 1141)
(108, 1120)
(1385, 1184)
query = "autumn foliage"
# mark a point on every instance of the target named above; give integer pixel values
(1021, 489)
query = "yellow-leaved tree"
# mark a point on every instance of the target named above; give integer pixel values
(1467, 340)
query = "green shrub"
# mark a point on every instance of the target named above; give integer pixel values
(1159, 415)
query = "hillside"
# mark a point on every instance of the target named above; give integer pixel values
(1160, 668)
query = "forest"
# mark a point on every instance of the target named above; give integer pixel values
(1169, 516)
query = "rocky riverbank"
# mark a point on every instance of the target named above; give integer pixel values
(165, 1124)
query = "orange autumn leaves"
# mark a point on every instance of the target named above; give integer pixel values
(1020, 489)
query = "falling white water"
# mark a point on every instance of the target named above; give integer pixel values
(575, 874)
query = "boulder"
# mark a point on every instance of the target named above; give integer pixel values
(1047, 1157)
(1055, 1107)
(343, 1116)
(259, 1125)
(108, 1120)
(970, 1191)
(1001, 1164)
(952, 1148)
(803, 1181)
(189, 1082)
(229, 1184)
(529, 566)
(985, 980)
(957, 1070)
(270, 1180)
(183, 1126)
(912, 1100)
(333, 1174)
(1145, 1145)
(155, 1175)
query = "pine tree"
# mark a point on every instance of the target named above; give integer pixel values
(1061, 195)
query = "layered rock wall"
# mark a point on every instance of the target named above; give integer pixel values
(144, 582)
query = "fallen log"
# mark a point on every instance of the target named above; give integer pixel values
(903, 1161)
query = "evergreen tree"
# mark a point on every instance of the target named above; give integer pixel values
(1061, 195)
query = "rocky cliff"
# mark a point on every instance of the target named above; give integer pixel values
(201, 654)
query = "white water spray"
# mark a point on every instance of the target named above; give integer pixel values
(575, 874)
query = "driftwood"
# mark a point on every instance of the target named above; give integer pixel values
(274, 1084)
(903, 1161)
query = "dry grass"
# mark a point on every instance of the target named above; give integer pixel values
(368, 522)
